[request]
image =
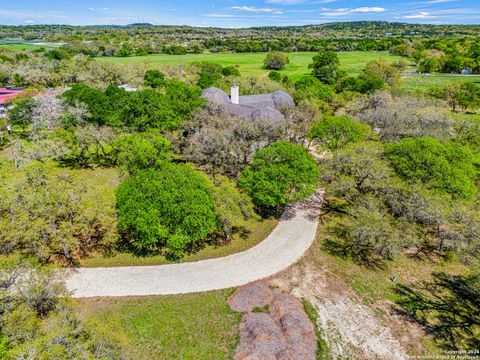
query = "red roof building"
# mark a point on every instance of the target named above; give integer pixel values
(7, 94)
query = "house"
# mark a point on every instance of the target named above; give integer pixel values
(255, 107)
(5, 95)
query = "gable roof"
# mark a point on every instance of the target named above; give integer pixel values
(255, 107)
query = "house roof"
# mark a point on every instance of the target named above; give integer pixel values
(255, 107)
(6, 94)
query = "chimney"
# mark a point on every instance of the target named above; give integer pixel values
(235, 94)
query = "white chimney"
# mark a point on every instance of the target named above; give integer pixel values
(235, 94)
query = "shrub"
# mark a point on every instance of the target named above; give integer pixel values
(279, 174)
(230, 71)
(171, 210)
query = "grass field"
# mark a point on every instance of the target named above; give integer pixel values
(22, 45)
(193, 326)
(252, 63)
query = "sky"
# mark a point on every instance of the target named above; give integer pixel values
(235, 13)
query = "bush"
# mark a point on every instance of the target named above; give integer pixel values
(447, 167)
(279, 174)
(309, 88)
(337, 131)
(276, 60)
(169, 210)
(154, 79)
(230, 71)
(275, 75)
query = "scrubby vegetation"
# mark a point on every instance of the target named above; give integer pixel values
(105, 159)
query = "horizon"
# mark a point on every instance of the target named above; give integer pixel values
(239, 14)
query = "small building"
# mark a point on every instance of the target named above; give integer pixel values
(255, 107)
(5, 95)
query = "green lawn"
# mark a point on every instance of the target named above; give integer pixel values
(193, 326)
(252, 63)
(23, 45)
(423, 81)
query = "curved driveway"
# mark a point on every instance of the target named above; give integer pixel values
(284, 246)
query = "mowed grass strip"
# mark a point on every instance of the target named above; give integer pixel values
(192, 326)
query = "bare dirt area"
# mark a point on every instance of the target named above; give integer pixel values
(350, 328)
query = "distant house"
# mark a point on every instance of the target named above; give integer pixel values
(467, 71)
(5, 95)
(255, 107)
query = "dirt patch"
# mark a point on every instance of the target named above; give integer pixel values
(275, 325)
(350, 328)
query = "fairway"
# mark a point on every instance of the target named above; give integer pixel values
(24, 45)
(252, 63)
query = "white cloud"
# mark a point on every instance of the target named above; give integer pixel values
(419, 15)
(349, 11)
(256, 10)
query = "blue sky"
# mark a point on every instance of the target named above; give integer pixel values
(236, 13)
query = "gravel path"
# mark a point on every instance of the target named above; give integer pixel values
(283, 247)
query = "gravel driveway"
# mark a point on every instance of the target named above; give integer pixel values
(283, 247)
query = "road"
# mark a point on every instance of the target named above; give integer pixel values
(287, 243)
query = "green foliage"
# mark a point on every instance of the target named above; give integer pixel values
(21, 114)
(38, 321)
(140, 151)
(234, 208)
(279, 174)
(4, 77)
(337, 131)
(447, 167)
(171, 209)
(230, 71)
(311, 89)
(380, 69)
(139, 110)
(326, 67)
(276, 60)
(49, 214)
(154, 79)
(363, 84)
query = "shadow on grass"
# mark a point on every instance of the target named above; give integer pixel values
(361, 255)
(448, 307)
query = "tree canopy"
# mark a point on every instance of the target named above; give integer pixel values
(169, 211)
(447, 167)
(279, 174)
(337, 131)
